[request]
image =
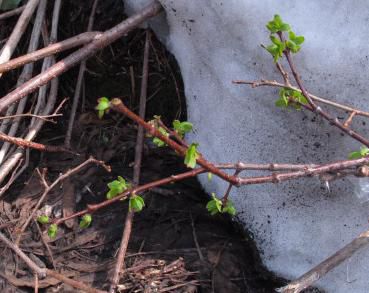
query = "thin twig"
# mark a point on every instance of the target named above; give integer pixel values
(44, 272)
(40, 271)
(33, 145)
(77, 90)
(12, 12)
(45, 117)
(62, 177)
(318, 109)
(194, 235)
(136, 168)
(274, 83)
(87, 51)
(45, 244)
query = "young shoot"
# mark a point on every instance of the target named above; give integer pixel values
(279, 44)
(116, 187)
(216, 206)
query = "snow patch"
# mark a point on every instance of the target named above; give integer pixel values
(296, 224)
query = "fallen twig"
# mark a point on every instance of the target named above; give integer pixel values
(43, 272)
(18, 30)
(62, 177)
(327, 265)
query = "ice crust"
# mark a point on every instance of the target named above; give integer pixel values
(299, 223)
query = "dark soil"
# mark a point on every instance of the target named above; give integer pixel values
(176, 246)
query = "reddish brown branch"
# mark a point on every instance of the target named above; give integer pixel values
(87, 51)
(317, 109)
(134, 190)
(118, 106)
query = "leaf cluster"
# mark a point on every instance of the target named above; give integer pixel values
(290, 97)
(116, 187)
(102, 107)
(363, 152)
(136, 203)
(293, 43)
(182, 127)
(216, 206)
(191, 155)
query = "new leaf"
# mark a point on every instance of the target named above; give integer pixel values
(182, 127)
(52, 231)
(102, 106)
(191, 155)
(86, 221)
(364, 151)
(116, 187)
(277, 25)
(43, 219)
(136, 203)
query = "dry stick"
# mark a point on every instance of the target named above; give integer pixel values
(118, 106)
(33, 145)
(28, 69)
(136, 167)
(89, 50)
(62, 177)
(327, 265)
(77, 90)
(274, 83)
(318, 109)
(40, 271)
(18, 30)
(39, 19)
(11, 13)
(73, 283)
(43, 272)
(36, 125)
(52, 49)
(44, 117)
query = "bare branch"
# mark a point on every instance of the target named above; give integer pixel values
(18, 31)
(12, 12)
